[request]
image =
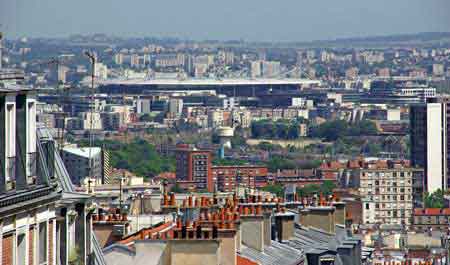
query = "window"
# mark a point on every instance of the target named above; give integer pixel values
(367, 206)
(21, 250)
(43, 243)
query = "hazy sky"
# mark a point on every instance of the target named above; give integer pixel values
(275, 20)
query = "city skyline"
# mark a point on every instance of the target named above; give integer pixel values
(201, 20)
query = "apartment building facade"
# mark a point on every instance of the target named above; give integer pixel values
(193, 168)
(386, 189)
(227, 178)
(40, 224)
(429, 141)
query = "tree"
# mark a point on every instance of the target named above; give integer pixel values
(334, 130)
(313, 189)
(373, 149)
(278, 162)
(176, 189)
(327, 187)
(139, 157)
(277, 189)
(146, 118)
(308, 190)
(434, 200)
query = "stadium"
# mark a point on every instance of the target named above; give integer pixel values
(229, 87)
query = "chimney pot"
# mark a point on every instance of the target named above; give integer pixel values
(172, 199)
(166, 200)
(198, 232)
(197, 202)
(190, 201)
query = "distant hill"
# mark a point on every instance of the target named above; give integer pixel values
(423, 38)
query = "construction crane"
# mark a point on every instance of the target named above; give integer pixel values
(92, 59)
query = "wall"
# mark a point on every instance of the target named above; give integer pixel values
(435, 141)
(253, 232)
(188, 252)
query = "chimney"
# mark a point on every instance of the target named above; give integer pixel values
(204, 251)
(284, 225)
(237, 226)
(171, 204)
(252, 229)
(319, 217)
(267, 228)
(339, 212)
(228, 246)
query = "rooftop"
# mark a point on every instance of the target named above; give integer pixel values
(11, 74)
(209, 82)
(431, 211)
(86, 152)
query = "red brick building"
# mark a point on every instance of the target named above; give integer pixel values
(193, 168)
(228, 177)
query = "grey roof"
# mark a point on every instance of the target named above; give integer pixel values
(275, 254)
(318, 242)
(119, 247)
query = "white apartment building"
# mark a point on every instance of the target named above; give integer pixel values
(387, 192)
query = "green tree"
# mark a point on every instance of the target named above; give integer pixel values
(176, 189)
(139, 157)
(313, 189)
(277, 189)
(434, 200)
(327, 187)
(146, 118)
(279, 162)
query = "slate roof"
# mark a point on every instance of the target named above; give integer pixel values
(275, 254)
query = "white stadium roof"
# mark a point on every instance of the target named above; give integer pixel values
(209, 82)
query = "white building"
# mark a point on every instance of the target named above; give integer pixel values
(101, 71)
(83, 162)
(215, 118)
(143, 106)
(255, 69)
(176, 106)
(91, 120)
(429, 138)
(62, 73)
(386, 192)
(270, 68)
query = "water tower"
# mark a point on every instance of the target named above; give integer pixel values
(225, 134)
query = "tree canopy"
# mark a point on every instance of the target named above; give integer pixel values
(434, 200)
(311, 189)
(334, 130)
(281, 129)
(138, 156)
